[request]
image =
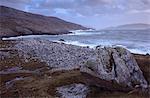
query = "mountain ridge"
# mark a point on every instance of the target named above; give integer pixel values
(15, 22)
(133, 26)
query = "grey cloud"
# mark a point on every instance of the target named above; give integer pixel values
(83, 7)
(147, 2)
(97, 13)
(91, 7)
(18, 4)
(16, 1)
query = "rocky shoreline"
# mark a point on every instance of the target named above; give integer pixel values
(41, 68)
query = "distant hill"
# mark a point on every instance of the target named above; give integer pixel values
(137, 26)
(15, 22)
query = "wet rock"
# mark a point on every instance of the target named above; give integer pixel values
(61, 40)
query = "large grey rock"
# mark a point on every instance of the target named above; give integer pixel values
(73, 91)
(105, 63)
(115, 64)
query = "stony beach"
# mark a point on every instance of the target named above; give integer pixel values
(48, 67)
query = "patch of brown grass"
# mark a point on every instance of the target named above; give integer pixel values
(65, 78)
(144, 64)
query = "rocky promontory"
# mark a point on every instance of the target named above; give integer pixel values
(41, 68)
(14, 22)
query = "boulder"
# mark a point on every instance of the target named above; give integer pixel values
(117, 65)
(73, 91)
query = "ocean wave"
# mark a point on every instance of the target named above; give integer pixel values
(24, 37)
(135, 50)
(92, 39)
(83, 32)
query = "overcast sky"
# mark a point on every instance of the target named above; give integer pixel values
(92, 13)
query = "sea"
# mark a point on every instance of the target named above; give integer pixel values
(137, 41)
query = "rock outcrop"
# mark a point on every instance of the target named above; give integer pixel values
(15, 23)
(73, 91)
(114, 66)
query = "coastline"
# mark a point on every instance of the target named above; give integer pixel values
(28, 73)
(84, 39)
(44, 56)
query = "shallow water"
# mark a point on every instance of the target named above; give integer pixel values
(135, 41)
